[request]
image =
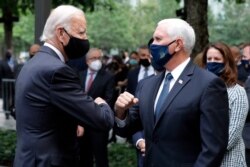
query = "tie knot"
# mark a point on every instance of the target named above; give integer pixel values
(169, 76)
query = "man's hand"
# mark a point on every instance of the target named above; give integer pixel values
(142, 146)
(79, 131)
(99, 100)
(123, 102)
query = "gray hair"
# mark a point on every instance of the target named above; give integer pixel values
(92, 50)
(177, 28)
(60, 16)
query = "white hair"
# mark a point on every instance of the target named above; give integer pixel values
(60, 16)
(178, 28)
(91, 50)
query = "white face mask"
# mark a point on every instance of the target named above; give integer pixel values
(95, 65)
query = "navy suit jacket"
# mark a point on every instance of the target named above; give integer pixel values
(50, 103)
(192, 129)
(133, 80)
(246, 130)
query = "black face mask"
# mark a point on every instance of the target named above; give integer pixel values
(76, 47)
(144, 62)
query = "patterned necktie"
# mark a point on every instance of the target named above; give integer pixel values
(163, 95)
(145, 72)
(90, 81)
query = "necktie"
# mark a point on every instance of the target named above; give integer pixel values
(90, 81)
(146, 72)
(163, 95)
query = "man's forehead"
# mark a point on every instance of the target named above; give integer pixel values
(79, 22)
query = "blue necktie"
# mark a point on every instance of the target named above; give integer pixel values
(163, 95)
(145, 72)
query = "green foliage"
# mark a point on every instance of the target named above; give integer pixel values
(7, 146)
(232, 26)
(122, 155)
(126, 27)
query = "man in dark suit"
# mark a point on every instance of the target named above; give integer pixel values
(144, 70)
(246, 130)
(50, 102)
(183, 111)
(93, 144)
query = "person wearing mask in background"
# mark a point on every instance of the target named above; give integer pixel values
(133, 60)
(245, 50)
(242, 72)
(183, 111)
(97, 83)
(50, 102)
(218, 59)
(144, 70)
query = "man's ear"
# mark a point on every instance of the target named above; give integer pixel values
(179, 45)
(60, 34)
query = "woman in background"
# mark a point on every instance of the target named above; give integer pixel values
(218, 59)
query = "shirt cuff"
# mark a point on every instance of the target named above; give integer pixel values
(137, 142)
(121, 123)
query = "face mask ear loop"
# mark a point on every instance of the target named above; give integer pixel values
(67, 33)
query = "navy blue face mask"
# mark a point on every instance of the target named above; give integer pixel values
(216, 68)
(245, 62)
(157, 67)
(160, 53)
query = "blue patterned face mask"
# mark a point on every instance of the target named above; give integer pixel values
(133, 62)
(157, 67)
(216, 68)
(160, 53)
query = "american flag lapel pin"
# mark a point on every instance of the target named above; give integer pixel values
(180, 81)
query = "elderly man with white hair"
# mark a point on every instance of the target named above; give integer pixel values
(50, 102)
(183, 111)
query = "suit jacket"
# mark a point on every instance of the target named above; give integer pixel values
(246, 130)
(50, 103)
(133, 80)
(102, 86)
(192, 129)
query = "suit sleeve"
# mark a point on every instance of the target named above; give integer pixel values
(133, 124)
(67, 94)
(214, 123)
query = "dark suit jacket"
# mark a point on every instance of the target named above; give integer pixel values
(246, 130)
(192, 129)
(133, 80)
(102, 86)
(49, 104)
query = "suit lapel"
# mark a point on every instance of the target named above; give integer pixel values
(152, 95)
(178, 86)
(83, 77)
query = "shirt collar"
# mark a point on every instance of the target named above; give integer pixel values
(56, 50)
(179, 69)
